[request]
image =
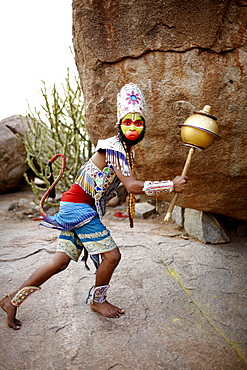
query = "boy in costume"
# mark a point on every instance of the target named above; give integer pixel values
(84, 204)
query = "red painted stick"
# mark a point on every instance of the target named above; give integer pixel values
(42, 212)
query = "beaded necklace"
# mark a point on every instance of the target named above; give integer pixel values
(132, 198)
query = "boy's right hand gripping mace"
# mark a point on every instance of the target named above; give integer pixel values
(199, 131)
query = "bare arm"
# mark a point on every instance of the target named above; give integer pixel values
(131, 184)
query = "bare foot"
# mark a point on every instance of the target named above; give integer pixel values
(7, 306)
(106, 309)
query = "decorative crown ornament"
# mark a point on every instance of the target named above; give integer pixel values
(130, 100)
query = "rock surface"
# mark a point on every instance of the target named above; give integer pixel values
(12, 153)
(183, 55)
(144, 210)
(204, 227)
(185, 302)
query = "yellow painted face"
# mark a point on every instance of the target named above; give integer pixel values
(132, 125)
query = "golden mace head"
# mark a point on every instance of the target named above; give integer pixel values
(200, 130)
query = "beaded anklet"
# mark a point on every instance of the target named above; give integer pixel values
(22, 294)
(98, 294)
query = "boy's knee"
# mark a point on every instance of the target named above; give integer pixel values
(114, 256)
(62, 266)
(60, 263)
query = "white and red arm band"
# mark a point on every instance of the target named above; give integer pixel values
(157, 187)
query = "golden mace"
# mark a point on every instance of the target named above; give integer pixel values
(199, 131)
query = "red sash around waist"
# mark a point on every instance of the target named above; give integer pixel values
(77, 195)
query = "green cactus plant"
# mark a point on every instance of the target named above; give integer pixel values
(58, 127)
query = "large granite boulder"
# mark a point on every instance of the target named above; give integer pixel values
(12, 153)
(183, 55)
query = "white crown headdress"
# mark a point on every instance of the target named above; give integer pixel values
(130, 100)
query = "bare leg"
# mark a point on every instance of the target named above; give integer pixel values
(58, 263)
(110, 260)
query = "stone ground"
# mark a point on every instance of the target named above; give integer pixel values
(185, 302)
